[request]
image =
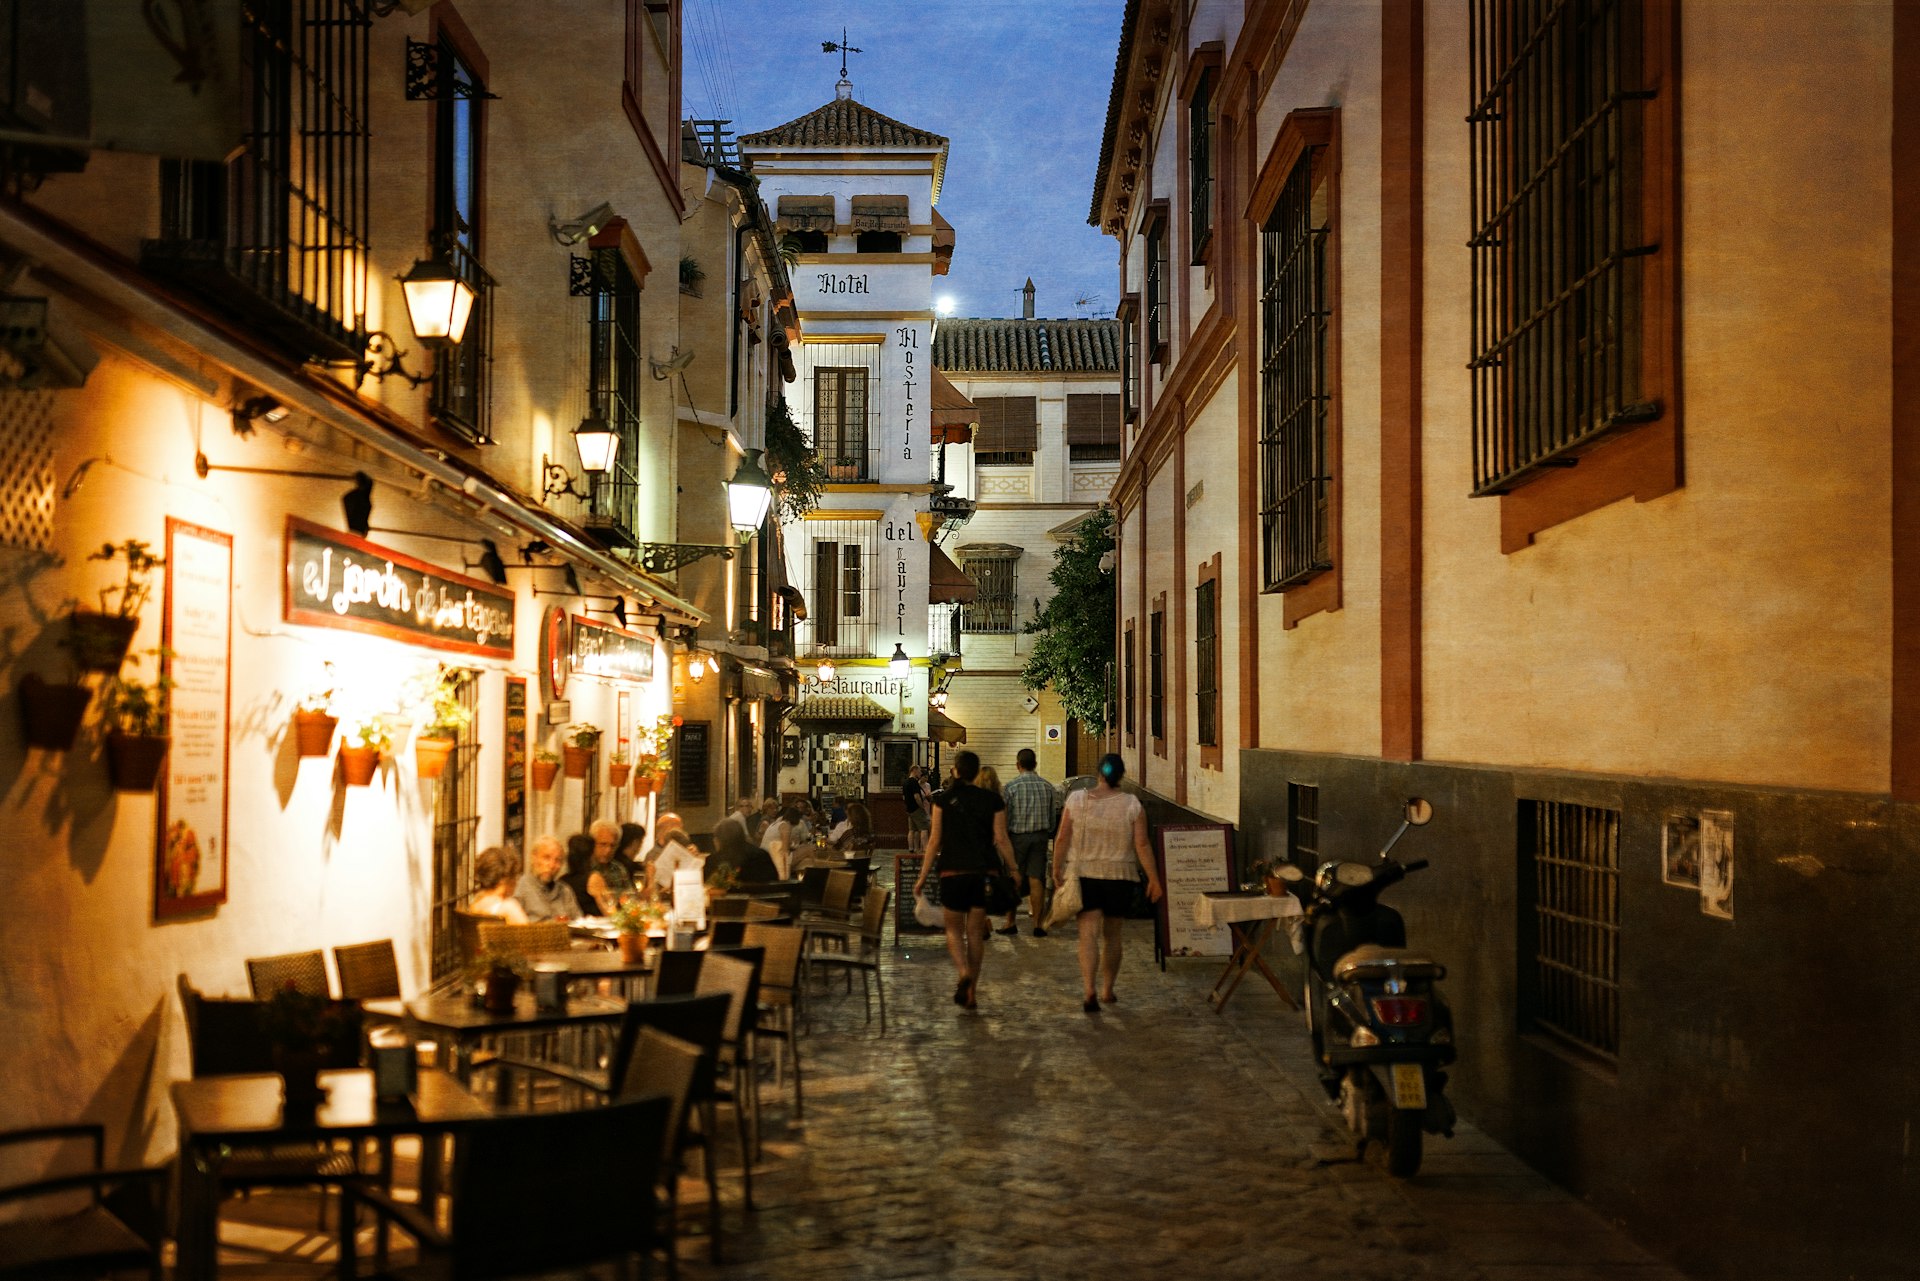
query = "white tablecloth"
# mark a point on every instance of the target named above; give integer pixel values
(1224, 909)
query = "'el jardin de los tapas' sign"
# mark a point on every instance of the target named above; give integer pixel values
(609, 652)
(337, 580)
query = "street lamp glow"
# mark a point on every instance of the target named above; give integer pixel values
(899, 664)
(943, 305)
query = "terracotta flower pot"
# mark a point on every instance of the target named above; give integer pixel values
(430, 756)
(50, 714)
(313, 732)
(643, 786)
(577, 759)
(1276, 886)
(134, 760)
(617, 774)
(544, 772)
(100, 641)
(633, 948)
(357, 764)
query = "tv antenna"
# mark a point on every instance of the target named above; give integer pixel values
(842, 48)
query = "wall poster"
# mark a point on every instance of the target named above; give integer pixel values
(196, 638)
(1716, 863)
(1194, 860)
(513, 832)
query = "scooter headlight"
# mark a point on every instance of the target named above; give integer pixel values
(1362, 1037)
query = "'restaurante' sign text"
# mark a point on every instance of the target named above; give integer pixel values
(337, 580)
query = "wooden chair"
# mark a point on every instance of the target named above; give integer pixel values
(865, 959)
(512, 1216)
(541, 936)
(368, 971)
(304, 972)
(118, 1229)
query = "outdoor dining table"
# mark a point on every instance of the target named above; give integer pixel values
(457, 1025)
(599, 965)
(1252, 918)
(218, 1114)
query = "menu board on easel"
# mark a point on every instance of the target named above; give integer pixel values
(1194, 859)
(190, 863)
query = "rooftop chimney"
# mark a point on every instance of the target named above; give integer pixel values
(843, 90)
(1026, 300)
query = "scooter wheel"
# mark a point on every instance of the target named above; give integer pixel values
(1403, 1141)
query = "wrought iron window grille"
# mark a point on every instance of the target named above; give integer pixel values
(1295, 311)
(430, 79)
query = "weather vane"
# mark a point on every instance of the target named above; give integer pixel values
(842, 48)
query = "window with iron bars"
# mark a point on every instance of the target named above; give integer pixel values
(1156, 300)
(1130, 692)
(456, 819)
(840, 619)
(994, 605)
(1128, 314)
(1570, 925)
(1157, 676)
(840, 421)
(1295, 311)
(1303, 825)
(277, 235)
(613, 390)
(462, 393)
(1557, 124)
(1201, 122)
(1206, 663)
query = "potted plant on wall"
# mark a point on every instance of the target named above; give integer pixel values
(582, 740)
(619, 766)
(366, 741)
(99, 639)
(50, 713)
(653, 762)
(137, 738)
(546, 768)
(313, 719)
(447, 715)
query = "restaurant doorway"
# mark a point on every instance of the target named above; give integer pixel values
(456, 817)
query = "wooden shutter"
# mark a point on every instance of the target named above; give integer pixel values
(1008, 424)
(1093, 419)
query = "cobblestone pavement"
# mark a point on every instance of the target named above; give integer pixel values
(1155, 1139)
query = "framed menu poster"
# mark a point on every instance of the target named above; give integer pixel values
(1195, 859)
(190, 858)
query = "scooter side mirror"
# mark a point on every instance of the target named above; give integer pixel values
(1419, 812)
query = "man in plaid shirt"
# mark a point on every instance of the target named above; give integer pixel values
(1033, 809)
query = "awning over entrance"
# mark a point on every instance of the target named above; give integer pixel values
(953, 414)
(942, 728)
(947, 583)
(840, 713)
(759, 682)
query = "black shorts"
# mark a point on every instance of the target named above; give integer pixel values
(964, 891)
(1113, 898)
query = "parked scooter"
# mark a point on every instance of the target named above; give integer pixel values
(1381, 1032)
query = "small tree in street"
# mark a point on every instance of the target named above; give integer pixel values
(1074, 653)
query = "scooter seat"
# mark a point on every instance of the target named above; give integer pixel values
(1370, 962)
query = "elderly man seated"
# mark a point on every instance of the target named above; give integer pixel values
(608, 880)
(541, 891)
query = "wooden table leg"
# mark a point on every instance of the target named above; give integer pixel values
(1274, 980)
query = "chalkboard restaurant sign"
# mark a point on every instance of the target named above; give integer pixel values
(337, 580)
(609, 652)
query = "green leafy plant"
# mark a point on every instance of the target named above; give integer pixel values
(319, 696)
(1074, 653)
(546, 756)
(370, 731)
(797, 472)
(722, 878)
(138, 707)
(621, 756)
(638, 914)
(791, 247)
(490, 960)
(130, 596)
(691, 273)
(447, 712)
(652, 744)
(583, 735)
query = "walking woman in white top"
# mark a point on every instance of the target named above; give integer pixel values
(1104, 833)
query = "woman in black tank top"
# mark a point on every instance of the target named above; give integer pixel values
(969, 840)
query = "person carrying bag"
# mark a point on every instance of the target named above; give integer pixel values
(969, 846)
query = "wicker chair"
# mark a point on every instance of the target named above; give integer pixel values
(304, 972)
(737, 974)
(865, 960)
(368, 971)
(542, 936)
(780, 995)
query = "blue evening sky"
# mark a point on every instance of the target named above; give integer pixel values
(1019, 87)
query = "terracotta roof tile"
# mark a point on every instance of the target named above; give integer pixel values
(1027, 346)
(843, 123)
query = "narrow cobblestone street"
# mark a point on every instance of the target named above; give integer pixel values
(1029, 1139)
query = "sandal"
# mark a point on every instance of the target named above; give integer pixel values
(972, 984)
(960, 993)
(1091, 1006)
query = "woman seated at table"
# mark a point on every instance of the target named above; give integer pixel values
(856, 838)
(579, 869)
(731, 848)
(496, 871)
(778, 839)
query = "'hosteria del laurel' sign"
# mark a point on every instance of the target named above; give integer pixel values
(609, 652)
(337, 580)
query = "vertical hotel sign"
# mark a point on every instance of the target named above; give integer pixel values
(190, 865)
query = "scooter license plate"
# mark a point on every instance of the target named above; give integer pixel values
(1409, 1086)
